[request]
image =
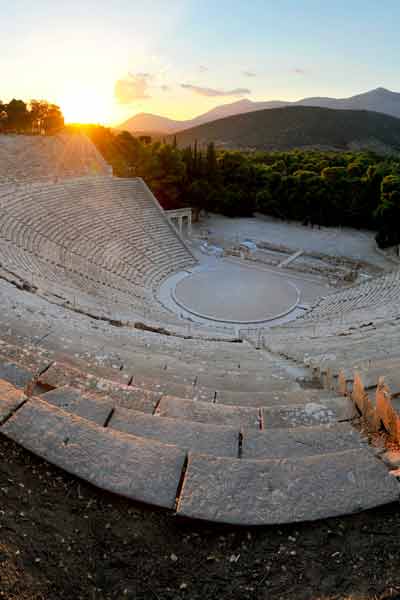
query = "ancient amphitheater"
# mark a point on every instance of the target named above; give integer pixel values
(105, 375)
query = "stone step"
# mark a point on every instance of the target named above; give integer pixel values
(188, 435)
(339, 373)
(80, 404)
(207, 412)
(15, 374)
(192, 367)
(161, 385)
(344, 383)
(272, 398)
(365, 393)
(11, 398)
(312, 413)
(128, 396)
(142, 470)
(248, 384)
(345, 376)
(276, 491)
(300, 441)
(33, 360)
(388, 403)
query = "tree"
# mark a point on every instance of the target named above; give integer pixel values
(53, 120)
(3, 116)
(388, 212)
(38, 110)
(211, 162)
(18, 119)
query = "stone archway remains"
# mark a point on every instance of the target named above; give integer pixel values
(178, 216)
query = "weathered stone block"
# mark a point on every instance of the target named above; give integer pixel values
(143, 470)
(188, 435)
(270, 492)
(10, 399)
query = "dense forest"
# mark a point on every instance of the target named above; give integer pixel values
(36, 116)
(355, 189)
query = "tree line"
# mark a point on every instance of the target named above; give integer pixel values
(34, 117)
(355, 189)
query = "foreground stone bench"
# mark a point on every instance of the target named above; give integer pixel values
(310, 414)
(207, 412)
(270, 398)
(364, 394)
(247, 383)
(10, 400)
(188, 435)
(15, 374)
(35, 360)
(269, 492)
(61, 374)
(139, 469)
(388, 403)
(300, 441)
(80, 404)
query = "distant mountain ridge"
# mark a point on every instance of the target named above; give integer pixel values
(379, 100)
(302, 127)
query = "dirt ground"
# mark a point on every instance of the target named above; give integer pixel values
(62, 539)
(335, 241)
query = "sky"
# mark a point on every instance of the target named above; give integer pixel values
(104, 61)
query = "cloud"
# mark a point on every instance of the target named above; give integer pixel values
(203, 69)
(299, 71)
(211, 92)
(249, 74)
(132, 88)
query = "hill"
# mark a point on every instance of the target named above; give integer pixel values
(378, 100)
(299, 127)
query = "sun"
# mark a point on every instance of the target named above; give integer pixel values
(85, 106)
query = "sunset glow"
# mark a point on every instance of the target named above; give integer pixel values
(103, 63)
(85, 106)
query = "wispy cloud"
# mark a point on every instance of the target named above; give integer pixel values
(132, 88)
(249, 74)
(212, 92)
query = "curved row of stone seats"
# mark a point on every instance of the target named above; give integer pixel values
(373, 386)
(379, 296)
(150, 417)
(86, 217)
(37, 158)
(71, 276)
(269, 405)
(369, 341)
(15, 229)
(223, 488)
(40, 222)
(88, 288)
(173, 448)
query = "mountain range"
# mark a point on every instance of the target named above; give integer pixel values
(303, 127)
(378, 100)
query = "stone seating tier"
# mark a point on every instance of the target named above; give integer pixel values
(95, 241)
(28, 159)
(292, 456)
